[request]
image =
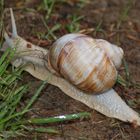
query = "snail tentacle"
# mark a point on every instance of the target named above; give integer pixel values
(8, 40)
(14, 28)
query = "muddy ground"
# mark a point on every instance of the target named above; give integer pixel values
(116, 27)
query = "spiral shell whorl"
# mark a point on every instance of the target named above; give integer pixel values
(79, 59)
(114, 52)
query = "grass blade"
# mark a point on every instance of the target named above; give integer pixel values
(56, 119)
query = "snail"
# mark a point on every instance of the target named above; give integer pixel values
(82, 67)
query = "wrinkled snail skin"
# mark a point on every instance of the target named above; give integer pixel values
(108, 103)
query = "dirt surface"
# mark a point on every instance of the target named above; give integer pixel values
(116, 28)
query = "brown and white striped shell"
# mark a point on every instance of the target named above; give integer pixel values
(89, 64)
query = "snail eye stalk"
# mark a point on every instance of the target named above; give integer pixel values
(8, 40)
(14, 28)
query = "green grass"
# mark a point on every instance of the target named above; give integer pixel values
(55, 119)
(12, 114)
(51, 31)
(47, 6)
(124, 13)
(74, 25)
(99, 29)
(10, 94)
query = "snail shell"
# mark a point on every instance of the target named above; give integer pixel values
(88, 63)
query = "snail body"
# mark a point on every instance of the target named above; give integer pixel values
(47, 65)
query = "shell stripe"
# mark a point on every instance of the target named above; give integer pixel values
(62, 55)
(96, 80)
(91, 82)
